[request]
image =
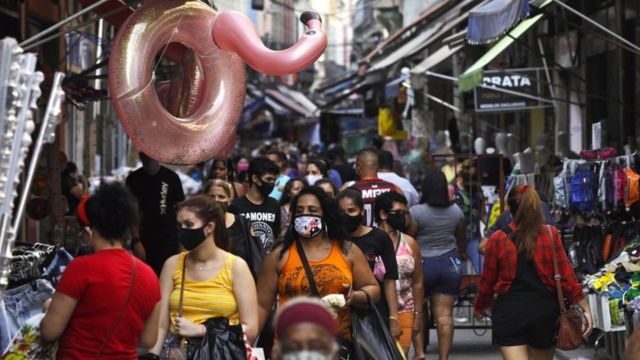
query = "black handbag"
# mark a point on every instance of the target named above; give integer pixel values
(221, 341)
(371, 338)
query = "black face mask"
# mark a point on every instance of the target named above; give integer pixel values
(265, 188)
(191, 238)
(351, 223)
(397, 221)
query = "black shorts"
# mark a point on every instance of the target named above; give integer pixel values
(526, 319)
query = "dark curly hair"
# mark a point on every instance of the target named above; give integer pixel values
(331, 216)
(110, 211)
(385, 202)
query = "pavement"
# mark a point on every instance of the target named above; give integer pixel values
(468, 345)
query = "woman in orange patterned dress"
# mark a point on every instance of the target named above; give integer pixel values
(340, 270)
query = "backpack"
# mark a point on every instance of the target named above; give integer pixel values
(619, 186)
(583, 190)
(562, 187)
(632, 193)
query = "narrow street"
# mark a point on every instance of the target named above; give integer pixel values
(470, 345)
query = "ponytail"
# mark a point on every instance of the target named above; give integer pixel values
(526, 209)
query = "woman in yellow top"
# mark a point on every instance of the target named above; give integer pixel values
(216, 283)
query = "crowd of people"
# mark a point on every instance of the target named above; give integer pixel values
(267, 234)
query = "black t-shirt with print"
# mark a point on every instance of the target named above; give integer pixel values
(157, 197)
(264, 218)
(377, 243)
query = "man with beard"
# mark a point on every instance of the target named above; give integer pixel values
(261, 210)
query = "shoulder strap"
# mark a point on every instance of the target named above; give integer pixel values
(307, 270)
(556, 274)
(509, 233)
(124, 309)
(184, 273)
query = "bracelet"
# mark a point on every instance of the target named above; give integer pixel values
(394, 318)
(417, 312)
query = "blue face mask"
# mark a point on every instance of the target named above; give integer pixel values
(306, 355)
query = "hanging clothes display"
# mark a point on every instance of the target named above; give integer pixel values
(35, 269)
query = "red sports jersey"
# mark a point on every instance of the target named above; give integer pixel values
(370, 189)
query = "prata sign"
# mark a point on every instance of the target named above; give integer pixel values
(524, 81)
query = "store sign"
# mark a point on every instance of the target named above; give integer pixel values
(513, 82)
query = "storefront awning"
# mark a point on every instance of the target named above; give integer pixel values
(292, 101)
(410, 47)
(473, 75)
(436, 58)
(439, 26)
(488, 22)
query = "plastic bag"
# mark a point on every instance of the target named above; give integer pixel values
(371, 337)
(222, 341)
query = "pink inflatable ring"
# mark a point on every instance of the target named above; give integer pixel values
(210, 129)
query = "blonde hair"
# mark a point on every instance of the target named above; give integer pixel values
(220, 183)
(526, 209)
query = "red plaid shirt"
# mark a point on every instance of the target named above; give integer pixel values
(500, 265)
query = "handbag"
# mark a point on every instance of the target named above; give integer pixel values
(221, 341)
(371, 338)
(175, 348)
(569, 335)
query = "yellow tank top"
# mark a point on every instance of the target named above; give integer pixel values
(204, 299)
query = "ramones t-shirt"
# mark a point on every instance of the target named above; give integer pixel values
(264, 218)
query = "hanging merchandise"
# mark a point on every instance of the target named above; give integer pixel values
(19, 94)
(562, 187)
(632, 193)
(386, 122)
(583, 190)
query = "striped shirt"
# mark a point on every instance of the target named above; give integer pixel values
(204, 299)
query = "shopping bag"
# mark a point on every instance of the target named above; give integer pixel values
(371, 337)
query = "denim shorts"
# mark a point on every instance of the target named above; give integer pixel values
(25, 301)
(442, 274)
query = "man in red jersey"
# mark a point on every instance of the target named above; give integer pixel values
(370, 184)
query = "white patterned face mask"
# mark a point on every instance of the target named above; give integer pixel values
(308, 226)
(306, 355)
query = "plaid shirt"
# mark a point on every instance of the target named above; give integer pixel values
(501, 262)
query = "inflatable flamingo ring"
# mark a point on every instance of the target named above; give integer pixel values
(220, 41)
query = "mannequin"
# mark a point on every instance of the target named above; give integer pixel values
(501, 143)
(480, 146)
(512, 145)
(543, 154)
(563, 147)
(526, 161)
(466, 141)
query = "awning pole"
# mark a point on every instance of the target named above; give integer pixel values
(594, 23)
(61, 23)
(547, 74)
(74, 28)
(444, 103)
(493, 87)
